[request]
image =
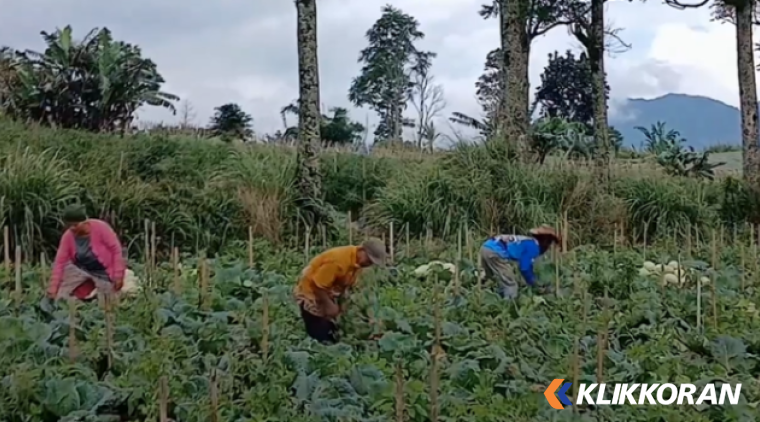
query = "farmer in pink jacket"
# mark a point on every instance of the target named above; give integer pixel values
(89, 257)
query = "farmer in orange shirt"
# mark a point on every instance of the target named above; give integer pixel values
(328, 276)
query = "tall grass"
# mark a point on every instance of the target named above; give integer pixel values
(202, 194)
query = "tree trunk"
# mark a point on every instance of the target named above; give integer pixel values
(747, 91)
(515, 119)
(596, 58)
(309, 179)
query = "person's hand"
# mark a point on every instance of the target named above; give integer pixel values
(52, 293)
(118, 284)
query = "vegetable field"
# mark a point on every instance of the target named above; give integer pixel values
(221, 340)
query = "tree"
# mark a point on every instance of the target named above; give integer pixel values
(186, 115)
(309, 179)
(427, 98)
(567, 89)
(520, 22)
(743, 14)
(489, 88)
(95, 83)
(657, 139)
(385, 82)
(337, 129)
(588, 27)
(231, 122)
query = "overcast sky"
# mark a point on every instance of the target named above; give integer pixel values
(244, 51)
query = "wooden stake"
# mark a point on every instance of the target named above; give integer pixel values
(148, 272)
(175, 270)
(214, 395)
(163, 399)
(265, 327)
(250, 247)
(350, 228)
(153, 245)
(392, 246)
(435, 355)
(408, 241)
(714, 281)
(7, 253)
(202, 281)
(19, 287)
(399, 391)
(43, 270)
(109, 328)
(72, 329)
(306, 238)
(458, 260)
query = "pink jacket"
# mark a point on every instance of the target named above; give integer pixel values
(105, 246)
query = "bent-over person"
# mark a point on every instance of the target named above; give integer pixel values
(329, 276)
(89, 257)
(501, 253)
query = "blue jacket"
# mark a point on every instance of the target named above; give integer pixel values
(524, 250)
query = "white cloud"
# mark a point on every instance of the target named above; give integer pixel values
(244, 51)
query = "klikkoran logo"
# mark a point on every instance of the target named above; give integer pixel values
(652, 394)
(552, 389)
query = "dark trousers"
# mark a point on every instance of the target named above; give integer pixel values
(319, 328)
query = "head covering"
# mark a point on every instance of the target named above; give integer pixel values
(375, 249)
(546, 231)
(74, 213)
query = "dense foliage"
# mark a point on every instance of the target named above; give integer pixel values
(95, 83)
(230, 121)
(240, 353)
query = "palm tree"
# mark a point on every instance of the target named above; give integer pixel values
(309, 178)
(95, 83)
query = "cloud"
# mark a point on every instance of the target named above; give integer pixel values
(244, 51)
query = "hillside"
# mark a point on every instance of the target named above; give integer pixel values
(702, 121)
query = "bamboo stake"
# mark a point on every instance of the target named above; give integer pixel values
(250, 246)
(43, 270)
(306, 239)
(148, 272)
(399, 391)
(435, 355)
(754, 255)
(163, 399)
(456, 263)
(7, 253)
(72, 329)
(408, 241)
(214, 395)
(699, 303)
(153, 245)
(713, 284)
(19, 287)
(350, 228)
(109, 328)
(565, 231)
(202, 281)
(175, 271)
(392, 244)
(265, 327)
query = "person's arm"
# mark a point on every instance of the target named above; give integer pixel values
(115, 263)
(529, 252)
(62, 257)
(323, 279)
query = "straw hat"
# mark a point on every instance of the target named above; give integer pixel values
(546, 231)
(375, 249)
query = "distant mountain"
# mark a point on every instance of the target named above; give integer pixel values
(702, 121)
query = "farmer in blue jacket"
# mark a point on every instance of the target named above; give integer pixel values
(500, 253)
